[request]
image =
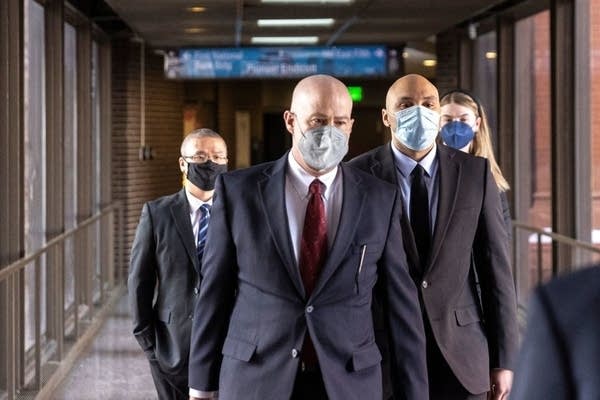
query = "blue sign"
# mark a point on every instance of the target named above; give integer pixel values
(277, 62)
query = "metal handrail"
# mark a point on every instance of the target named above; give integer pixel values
(555, 238)
(19, 361)
(558, 237)
(22, 263)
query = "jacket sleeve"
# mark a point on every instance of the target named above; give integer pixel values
(405, 323)
(542, 369)
(491, 258)
(142, 280)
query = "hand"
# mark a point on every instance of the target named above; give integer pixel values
(501, 383)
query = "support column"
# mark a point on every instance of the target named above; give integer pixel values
(571, 193)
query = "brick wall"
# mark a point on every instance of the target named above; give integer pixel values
(136, 181)
(447, 46)
(541, 211)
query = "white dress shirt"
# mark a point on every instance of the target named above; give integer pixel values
(195, 214)
(297, 181)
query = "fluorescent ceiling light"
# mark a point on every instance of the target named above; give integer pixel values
(429, 62)
(196, 9)
(310, 1)
(296, 22)
(284, 39)
(194, 30)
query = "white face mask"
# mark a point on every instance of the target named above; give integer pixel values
(323, 147)
(417, 127)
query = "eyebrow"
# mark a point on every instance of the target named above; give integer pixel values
(409, 98)
(461, 115)
(319, 115)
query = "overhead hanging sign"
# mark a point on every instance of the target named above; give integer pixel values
(276, 62)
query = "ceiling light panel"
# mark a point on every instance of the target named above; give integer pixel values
(308, 1)
(284, 40)
(295, 22)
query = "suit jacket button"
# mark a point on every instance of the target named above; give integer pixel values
(191, 316)
(309, 309)
(196, 291)
(424, 284)
(294, 353)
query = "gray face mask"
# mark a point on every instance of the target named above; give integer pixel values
(323, 147)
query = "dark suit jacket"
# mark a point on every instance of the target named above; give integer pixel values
(560, 355)
(163, 258)
(247, 346)
(469, 220)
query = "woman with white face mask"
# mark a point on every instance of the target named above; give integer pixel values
(464, 126)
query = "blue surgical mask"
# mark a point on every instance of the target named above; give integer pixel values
(417, 127)
(457, 134)
(323, 147)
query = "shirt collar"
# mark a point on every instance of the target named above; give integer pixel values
(195, 202)
(301, 179)
(405, 164)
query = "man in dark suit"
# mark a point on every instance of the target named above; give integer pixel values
(452, 211)
(294, 250)
(560, 355)
(165, 263)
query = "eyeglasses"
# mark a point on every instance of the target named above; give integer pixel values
(202, 158)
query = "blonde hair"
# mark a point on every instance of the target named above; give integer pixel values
(482, 141)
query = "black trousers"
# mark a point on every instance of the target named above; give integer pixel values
(169, 387)
(309, 385)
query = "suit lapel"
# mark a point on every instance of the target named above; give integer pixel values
(449, 181)
(384, 167)
(271, 190)
(353, 201)
(180, 211)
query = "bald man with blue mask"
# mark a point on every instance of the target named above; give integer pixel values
(452, 211)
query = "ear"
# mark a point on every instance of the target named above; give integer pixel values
(182, 165)
(289, 118)
(385, 117)
(477, 124)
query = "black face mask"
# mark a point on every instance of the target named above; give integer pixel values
(205, 174)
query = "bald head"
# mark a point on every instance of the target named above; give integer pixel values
(320, 91)
(410, 90)
(319, 101)
(416, 136)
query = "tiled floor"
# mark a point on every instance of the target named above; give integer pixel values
(113, 367)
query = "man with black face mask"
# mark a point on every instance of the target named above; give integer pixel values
(164, 272)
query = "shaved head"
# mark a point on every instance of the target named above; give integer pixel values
(321, 91)
(409, 91)
(318, 101)
(411, 88)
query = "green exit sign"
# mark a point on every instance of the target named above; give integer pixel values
(355, 93)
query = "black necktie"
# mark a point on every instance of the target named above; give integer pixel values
(419, 213)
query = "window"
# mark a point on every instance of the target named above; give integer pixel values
(70, 156)
(35, 158)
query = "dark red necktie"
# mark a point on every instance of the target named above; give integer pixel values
(313, 253)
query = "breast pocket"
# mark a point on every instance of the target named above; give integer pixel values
(364, 258)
